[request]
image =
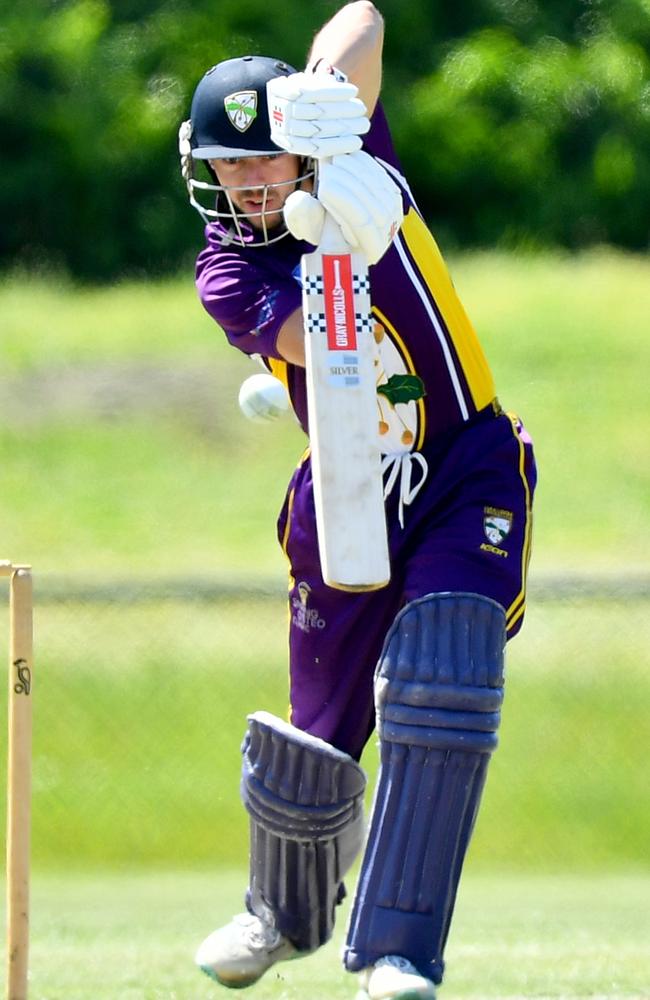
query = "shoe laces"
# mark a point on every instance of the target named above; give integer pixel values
(259, 935)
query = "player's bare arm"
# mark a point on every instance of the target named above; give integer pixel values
(352, 41)
(291, 339)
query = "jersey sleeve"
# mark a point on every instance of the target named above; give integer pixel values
(249, 303)
(378, 141)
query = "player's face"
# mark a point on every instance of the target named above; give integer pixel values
(251, 183)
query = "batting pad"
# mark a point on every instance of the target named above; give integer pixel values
(438, 692)
(305, 801)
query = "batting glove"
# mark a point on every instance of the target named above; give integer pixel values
(304, 217)
(364, 200)
(316, 113)
(361, 197)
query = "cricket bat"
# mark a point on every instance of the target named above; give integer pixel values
(343, 416)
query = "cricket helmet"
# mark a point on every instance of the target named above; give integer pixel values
(229, 120)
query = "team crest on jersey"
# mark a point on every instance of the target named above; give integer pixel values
(497, 524)
(304, 617)
(241, 108)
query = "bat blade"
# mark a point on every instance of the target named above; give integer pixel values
(343, 417)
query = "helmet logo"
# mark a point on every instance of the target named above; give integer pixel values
(241, 108)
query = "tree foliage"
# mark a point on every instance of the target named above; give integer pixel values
(518, 121)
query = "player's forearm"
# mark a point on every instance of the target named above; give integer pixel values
(352, 41)
(291, 339)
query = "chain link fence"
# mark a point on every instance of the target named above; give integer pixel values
(142, 688)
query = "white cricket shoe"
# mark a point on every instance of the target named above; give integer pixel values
(239, 954)
(394, 978)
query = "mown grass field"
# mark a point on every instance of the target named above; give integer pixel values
(124, 456)
(123, 449)
(132, 937)
(140, 711)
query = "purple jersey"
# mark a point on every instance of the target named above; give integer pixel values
(420, 325)
(459, 474)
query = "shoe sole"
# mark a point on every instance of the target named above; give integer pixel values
(405, 995)
(242, 984)
(239, 984)
(413, 994)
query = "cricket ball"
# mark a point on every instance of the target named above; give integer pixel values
(263, 398)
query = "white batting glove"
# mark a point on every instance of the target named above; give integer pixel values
(316, 114)
(304, 217)
(364, 200)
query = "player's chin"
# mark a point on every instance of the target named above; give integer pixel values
(268, 220)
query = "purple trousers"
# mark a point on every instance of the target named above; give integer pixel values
(467, 530)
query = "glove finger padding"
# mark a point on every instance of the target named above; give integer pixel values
(315, 115)
(326, 128)
(376, 189)
(311, 88)
(321, 111)
(304, 217)
(364, 201)
(318, 147)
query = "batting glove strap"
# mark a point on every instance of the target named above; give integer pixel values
(320, 66)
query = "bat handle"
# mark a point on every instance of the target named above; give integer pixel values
(332, 239)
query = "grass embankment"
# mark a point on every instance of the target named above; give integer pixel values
(123, 449)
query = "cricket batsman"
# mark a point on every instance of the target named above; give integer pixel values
(267, 153)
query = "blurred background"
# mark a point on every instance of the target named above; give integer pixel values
(520, 123)
(146, 503)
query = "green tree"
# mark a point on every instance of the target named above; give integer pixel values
(517, 120)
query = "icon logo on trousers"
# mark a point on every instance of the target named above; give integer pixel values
(304, 617)
(497, 524)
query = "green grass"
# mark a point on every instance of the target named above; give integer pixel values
(123, 454)
(49, 322)
(140, 711)
(142, 499)
(165, 476)
(567, 339)
(132, 937)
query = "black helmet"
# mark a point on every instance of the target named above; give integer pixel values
(229, 111)
(229, 119)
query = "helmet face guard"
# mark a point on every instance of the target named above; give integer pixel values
(229, 120)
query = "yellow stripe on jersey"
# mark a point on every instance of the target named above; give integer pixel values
(518, 606)
(428, 260)
(279, 369)
(287, 528)
(403, 349)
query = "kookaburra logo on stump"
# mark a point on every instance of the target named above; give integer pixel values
(241, 108)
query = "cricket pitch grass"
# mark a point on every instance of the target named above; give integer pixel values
(132, 937)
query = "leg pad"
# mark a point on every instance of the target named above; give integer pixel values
(305, 801)
(438, 690)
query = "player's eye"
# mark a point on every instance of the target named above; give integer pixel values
(232, 161)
